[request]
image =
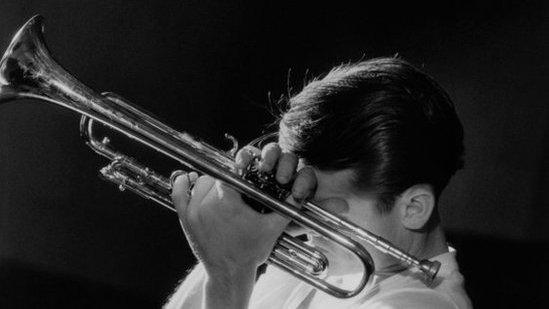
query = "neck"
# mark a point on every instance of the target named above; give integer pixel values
(431, 244)
(422, 245)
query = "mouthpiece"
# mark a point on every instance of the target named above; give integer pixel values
(430, 268)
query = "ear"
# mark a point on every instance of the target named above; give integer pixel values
(415, 206)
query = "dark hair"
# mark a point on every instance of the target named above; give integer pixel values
(385, 119)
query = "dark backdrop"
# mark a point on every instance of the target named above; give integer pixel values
(210, 67)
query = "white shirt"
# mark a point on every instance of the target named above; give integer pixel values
(278, 289)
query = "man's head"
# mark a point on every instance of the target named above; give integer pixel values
(391, 125)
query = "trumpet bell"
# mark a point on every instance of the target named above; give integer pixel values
(26, 52)
(27, 70)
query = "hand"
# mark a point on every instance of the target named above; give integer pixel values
(304, 180)
(224, 232)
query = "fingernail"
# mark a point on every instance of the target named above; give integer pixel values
(175, 175)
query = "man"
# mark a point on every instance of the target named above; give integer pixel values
(375, 142)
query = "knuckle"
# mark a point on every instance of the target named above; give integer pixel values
(225, 191)
(202, 183)
(203, 179)
(222, 187)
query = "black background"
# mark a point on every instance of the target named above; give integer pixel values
(207, 67)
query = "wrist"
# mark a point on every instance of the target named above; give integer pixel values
(230, 275)
(230, 288)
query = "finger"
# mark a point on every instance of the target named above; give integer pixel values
(193, 176)
(202, 186)
(245, 156)
(269, 157)
(232, 197)
(304, 184)
(199, 192)
(226, 190)
(174, 175)
(287, 165)
(180, 197)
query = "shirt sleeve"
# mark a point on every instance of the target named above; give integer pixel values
(190, 293)
(412, 299)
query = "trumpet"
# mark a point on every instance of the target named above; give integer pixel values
(27, 70)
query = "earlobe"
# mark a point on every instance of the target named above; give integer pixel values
(416, 206)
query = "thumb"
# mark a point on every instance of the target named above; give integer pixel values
(275, 222)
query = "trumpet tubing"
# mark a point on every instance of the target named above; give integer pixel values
(28, 71)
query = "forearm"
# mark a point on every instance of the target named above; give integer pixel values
(190, 293)
(229, 290)
(202, 291)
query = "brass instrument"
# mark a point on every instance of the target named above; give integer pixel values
(28, 71)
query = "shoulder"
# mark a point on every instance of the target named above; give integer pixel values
(273, 289)
(408, 291)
